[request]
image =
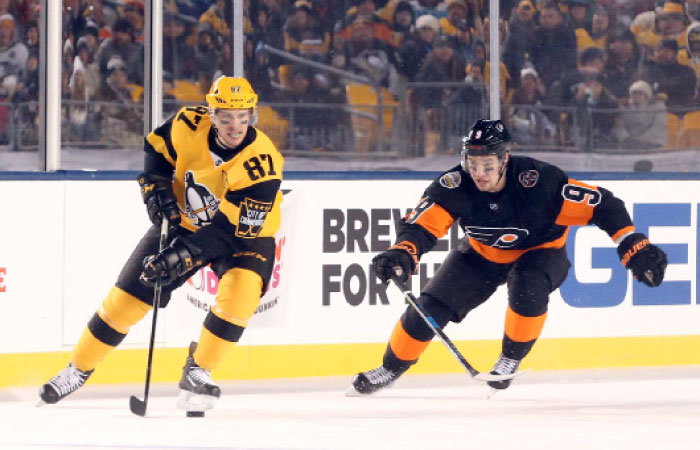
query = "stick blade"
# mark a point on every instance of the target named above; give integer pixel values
(489, 377)
(137, 406)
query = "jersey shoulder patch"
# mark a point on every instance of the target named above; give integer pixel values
(451, 180)
(528, 178)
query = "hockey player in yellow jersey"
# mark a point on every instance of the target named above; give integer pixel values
(216, 178)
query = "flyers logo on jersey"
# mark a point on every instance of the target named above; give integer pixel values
(529, 178)
(252, 217)
(497, 237)
(451, 180)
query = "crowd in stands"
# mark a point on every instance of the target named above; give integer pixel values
(624, 71)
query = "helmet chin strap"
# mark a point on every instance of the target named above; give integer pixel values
(502, 171)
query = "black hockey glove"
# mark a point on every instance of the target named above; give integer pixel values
(180, 257)
(160, 200)
(646, 261)
(401, 256)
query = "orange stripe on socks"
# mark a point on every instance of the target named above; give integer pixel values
(521, 328)
(404, 346)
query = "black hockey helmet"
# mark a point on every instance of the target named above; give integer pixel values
(485, 138)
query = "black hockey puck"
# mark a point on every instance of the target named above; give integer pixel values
(195, 414)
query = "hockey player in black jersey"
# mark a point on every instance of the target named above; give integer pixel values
(516, 212)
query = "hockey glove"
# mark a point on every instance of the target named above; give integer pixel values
(180, 257)
(160, 200)
(646, 261)
(401, 256)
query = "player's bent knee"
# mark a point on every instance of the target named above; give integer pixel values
(121, 310)
(239, 296)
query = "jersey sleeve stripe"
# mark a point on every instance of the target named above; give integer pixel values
(507, 256)
(577, 210)
(404, 346)
(160, 145)
(622, 232)
(436, 220)
(521, 328)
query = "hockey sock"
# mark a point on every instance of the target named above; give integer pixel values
(108, 327)
(521, 332)
(403, 349)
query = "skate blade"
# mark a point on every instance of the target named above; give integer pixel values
(40, 403)
(492, 393)
(190, 401)
(483, 376)
(352, 392)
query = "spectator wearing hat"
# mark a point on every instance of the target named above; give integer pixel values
(401, 23)
(413, 50)
(521, 37)
(460, 16)
(122, 44)
(669, 23)
(690, 55)
(622, 64)
(527, 123)
(119, 114)
(365, 54)
(344, 28)
(91, 70)
(596, 34)
(134, 13)
(666, 75)
(31, 34)
(304, 25)
(554, 51)
(13, 52)
(579, 13)
(642, 121)
(441, 65)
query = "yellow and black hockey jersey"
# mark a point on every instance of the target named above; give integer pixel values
(230, 195)
(534, 210)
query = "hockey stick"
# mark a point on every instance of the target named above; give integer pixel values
(411, 299)
(137, 406)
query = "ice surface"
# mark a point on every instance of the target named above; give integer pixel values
(599, 409)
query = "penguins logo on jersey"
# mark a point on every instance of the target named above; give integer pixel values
(200, 203)
(496, 237)
(252, 217)
(451, 180)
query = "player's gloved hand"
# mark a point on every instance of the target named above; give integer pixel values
(180, 257)
(160, 200)
(646, 261)
(402, 256)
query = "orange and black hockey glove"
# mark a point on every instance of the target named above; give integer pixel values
(160, 200)
(402, 255)
(646, 261)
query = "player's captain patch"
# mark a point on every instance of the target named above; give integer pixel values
(451, 180)
(529, 178)
(252, 217)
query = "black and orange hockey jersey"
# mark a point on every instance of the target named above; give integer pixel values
(534, 210)
(230, 195)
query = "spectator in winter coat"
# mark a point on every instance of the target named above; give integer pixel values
(555, 46)
(642, 121)
(521, 37)
(623, 63)
(413, 51)
(666, 75)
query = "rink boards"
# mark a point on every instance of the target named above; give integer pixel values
(65, 236)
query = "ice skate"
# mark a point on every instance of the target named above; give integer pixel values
(366, 383)
(197, 389)
(504, 366)
(67, 381)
